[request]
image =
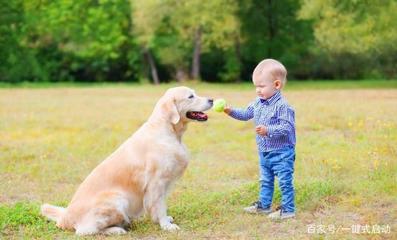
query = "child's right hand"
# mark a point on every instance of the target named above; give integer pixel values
(227, 109)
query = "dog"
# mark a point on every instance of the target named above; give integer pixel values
(136, 178)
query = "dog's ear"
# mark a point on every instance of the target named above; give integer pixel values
(170, 109)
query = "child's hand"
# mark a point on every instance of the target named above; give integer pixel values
(261, 130)
(227, 109)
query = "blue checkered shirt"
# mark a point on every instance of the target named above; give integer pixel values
(276, 115)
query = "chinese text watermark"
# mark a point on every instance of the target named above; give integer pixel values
(355, 229)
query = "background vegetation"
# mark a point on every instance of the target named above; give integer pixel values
(61, 112)
(218, 40)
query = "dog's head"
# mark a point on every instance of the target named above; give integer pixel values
(183, 104)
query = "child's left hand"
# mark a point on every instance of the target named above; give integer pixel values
(261, 130)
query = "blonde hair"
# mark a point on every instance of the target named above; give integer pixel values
(274, 68)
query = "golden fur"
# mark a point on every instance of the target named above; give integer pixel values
(137, 176)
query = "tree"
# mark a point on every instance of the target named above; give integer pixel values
(363, 31)
(146, 17)
(270, 29)
(179, 26)
(17, 61)
(353, 26)
(91, 37)
(205, 24)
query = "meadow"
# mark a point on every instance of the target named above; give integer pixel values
(52, 136)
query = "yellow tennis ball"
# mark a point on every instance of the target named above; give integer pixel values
(219, 105)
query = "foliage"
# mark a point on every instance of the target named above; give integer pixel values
(271, 29)
(67, 40)
(14, 58)
(355, 33)
(359, 26)
(106, 40)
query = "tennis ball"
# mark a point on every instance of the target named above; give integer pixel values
(219, 105)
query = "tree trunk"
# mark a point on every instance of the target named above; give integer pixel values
(181, 75)
(196, 54)
(152, 64)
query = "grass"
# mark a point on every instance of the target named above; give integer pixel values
(346, 166)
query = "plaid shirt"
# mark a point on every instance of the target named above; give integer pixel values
(276, 115)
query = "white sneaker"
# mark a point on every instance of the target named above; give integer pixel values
(256, 209)
(280, 215)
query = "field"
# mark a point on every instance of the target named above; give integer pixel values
(52, 136)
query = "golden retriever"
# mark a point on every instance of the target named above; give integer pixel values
(136, 178)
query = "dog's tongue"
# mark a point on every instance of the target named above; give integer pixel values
(201, 115)
(197, 116)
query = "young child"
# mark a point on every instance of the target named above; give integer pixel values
(275, 136)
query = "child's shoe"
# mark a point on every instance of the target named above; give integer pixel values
(256, 208)
(280, 215)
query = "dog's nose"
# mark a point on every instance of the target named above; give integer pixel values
(211, 101)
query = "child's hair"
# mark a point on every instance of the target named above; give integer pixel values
(276, 70)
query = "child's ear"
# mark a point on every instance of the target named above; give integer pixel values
(277, 84)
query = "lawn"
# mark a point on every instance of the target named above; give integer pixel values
(52, 136)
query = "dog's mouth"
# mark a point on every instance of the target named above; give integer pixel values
(198, 116)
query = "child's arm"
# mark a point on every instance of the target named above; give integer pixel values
(286, 116)
(239, 113)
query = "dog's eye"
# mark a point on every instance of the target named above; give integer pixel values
(191, 96)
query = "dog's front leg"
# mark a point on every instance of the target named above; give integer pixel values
(155, 204)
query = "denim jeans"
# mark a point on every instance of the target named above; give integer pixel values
(278, 163)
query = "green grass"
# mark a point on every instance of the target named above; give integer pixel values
(345, 172)
(24, 217)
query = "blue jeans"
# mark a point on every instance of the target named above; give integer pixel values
(278, 163)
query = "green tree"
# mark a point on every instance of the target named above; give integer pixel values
(205, 24)
(92, 37)
(183, 29)
(270, 29)
(365, 32)
(358, 26)
(146, 17)
(17, 61)
(65, 40)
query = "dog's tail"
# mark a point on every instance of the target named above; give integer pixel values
(53, 213)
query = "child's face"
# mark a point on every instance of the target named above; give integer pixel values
(265, 87)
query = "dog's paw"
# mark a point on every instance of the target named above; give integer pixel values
(166, 224)
(86, 232)
(170, 219)
(114, 231)
(170, 227)
(88, 229)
